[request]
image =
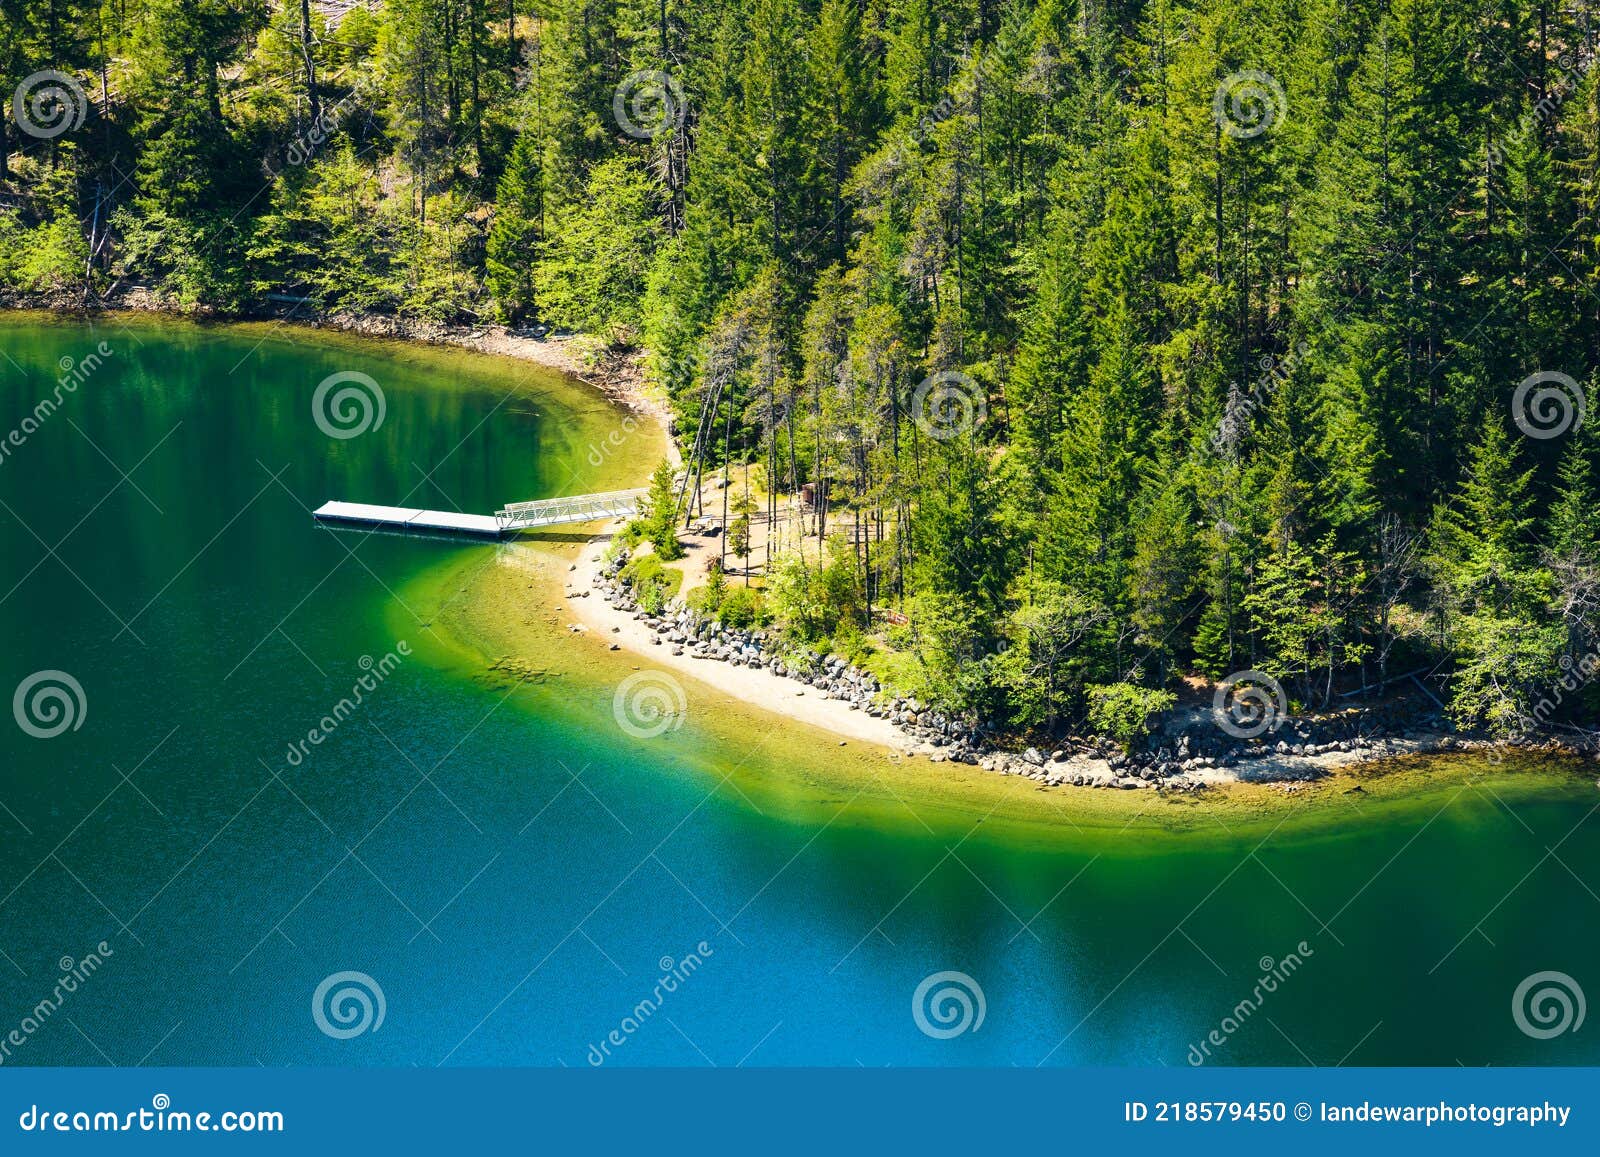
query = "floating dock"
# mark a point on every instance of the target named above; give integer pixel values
(408, 519)
(509, 519)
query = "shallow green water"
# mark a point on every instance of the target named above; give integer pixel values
(515, 872)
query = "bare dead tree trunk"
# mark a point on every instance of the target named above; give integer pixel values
(313, 101)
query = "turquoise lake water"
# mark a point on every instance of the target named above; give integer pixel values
(517, 875)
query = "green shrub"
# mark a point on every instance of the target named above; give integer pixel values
(652, 598)
(898, 668)
(640, 566)
(653, 584)
(716, 586)
(852, 645)
(1125, 711)
(815, 602)
(743, 607)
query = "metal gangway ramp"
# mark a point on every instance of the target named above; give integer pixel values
(578, 508)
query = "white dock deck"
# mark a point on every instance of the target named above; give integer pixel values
(509, 519)
(407, 519)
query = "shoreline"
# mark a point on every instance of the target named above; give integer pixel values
(847, 704)
(504, 620)
(588, 612)
(603, 623)
(618, 377)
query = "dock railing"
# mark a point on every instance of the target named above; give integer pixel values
(578, 508)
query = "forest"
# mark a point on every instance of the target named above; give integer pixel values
(1112, 343)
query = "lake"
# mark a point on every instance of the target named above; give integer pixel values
(475, 865)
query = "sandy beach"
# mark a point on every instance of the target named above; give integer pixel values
(604, 623)
(588, 614)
